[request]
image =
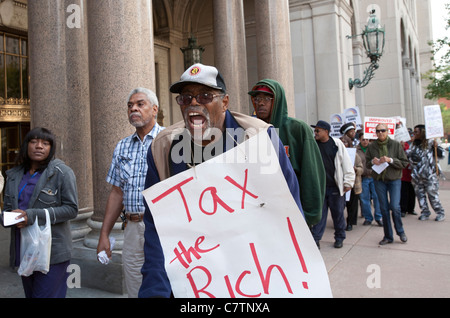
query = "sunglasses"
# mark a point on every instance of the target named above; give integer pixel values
(184, 100)
(380, 131)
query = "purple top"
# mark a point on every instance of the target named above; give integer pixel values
(26, 188)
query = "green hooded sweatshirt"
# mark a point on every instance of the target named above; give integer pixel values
(303, 153)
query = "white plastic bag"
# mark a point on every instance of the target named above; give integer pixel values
(35, 247)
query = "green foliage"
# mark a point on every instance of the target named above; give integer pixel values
(439, 75)
(445, 119)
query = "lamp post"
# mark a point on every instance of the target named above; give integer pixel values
(373, 40)
(192, 53)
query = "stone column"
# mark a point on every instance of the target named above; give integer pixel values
(273, 41)
(416, 108)
(407, 101)
(121, 57)
(230, 51)
(59, 85)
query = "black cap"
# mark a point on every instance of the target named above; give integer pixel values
(322, 124)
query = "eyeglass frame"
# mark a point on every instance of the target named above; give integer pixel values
(211, 96)
(265, 99)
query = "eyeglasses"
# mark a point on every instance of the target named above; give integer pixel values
(262, 99)
(380, 131)
(184, 100)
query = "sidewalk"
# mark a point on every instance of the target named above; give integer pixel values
(418, 268)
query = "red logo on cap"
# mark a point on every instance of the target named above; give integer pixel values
(195, 70)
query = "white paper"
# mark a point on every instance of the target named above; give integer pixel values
(347, 195)
(234, 226)
(102, 257)
(380, 168)
(9, 218)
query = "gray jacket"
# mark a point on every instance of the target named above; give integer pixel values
(55, 191)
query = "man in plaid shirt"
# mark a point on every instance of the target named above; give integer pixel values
(127, 177)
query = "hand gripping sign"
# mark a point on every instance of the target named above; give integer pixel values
(230, 228)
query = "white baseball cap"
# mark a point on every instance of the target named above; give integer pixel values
(200, 74)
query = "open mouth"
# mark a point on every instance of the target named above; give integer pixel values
(196, 120)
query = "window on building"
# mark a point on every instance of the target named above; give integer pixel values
(13, 66)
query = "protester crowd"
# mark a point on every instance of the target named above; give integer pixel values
(379, 180)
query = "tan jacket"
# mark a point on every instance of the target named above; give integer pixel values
(359, 169)
(161, 146)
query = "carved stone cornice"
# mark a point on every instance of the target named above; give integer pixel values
(15, 110)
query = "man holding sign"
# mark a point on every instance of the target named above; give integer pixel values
(208, 130)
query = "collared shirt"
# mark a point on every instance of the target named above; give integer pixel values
(129, 168)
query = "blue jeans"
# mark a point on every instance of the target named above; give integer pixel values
(393, 188)
(368, 193)
(336, 203)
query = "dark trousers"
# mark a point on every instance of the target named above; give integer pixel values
(336, 203)
(50, 285)
(352, 208)
(408, 198)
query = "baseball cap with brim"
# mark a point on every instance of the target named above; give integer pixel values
(322, 124)
(200, 74)
(260, 89)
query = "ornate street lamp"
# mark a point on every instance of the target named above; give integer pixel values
(192, 53)
(373, 40)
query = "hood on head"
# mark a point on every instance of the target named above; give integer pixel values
(279, 109)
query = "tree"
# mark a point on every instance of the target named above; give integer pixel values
(445, 120)
(439, 75)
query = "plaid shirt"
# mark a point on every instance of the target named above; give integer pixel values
(129, 168)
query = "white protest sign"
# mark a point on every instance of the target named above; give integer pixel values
(352, 115)
(229, 227)
(370, 123)
(336, 122)
(434, 127)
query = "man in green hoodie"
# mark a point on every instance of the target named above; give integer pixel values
(269, 101)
